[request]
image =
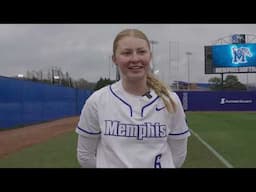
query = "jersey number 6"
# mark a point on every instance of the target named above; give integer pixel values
(157, 161)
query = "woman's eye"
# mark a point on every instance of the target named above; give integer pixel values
(142, 52)
(126, 53)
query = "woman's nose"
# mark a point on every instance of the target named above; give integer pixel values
(134, 57)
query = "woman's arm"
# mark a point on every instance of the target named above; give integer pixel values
(86, 151)
(179, 150)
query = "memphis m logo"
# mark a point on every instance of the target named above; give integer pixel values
(240, 54)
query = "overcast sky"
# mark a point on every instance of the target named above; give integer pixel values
(84, 50)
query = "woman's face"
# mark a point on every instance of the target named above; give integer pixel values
(133, 57)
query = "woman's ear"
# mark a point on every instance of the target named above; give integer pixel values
(114, 59)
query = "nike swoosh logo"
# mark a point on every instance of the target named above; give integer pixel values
(159, 109)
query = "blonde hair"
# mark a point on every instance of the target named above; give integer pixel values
(152, 82)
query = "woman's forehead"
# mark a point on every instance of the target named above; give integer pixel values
(132, 42)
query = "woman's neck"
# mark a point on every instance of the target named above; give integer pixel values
(135, 88)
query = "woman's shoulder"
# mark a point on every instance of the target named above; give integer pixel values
(174, 96)
(172, 93)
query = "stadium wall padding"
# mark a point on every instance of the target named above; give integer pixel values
(24, 102)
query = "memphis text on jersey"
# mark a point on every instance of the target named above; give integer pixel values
(139, 131)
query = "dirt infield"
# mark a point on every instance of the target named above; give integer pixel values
(16, 139)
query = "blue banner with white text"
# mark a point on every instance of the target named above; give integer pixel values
(218, 100)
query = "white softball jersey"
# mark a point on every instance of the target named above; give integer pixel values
(132, 131)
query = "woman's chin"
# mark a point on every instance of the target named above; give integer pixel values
(136, 76)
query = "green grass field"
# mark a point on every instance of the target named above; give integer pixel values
(58, 152)
(231, 134)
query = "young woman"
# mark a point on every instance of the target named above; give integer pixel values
(137, 122)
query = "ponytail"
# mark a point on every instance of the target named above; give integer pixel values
(162, 91)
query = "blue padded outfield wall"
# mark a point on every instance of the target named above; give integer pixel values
(218, 100)
(25, 102)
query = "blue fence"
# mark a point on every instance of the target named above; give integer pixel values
(218, 100)
(24, 102)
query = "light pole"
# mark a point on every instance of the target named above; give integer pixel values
(152, 42)
(188, 54)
